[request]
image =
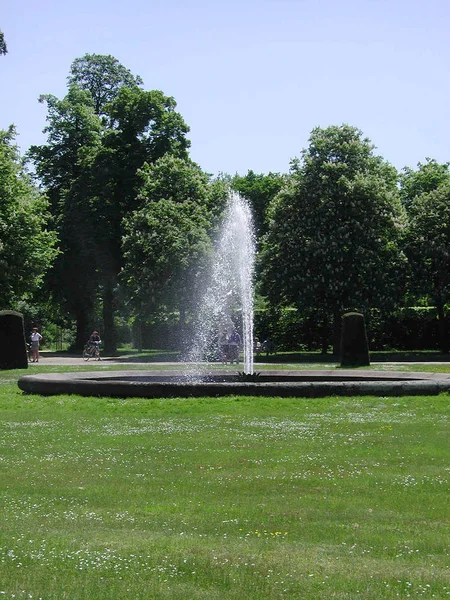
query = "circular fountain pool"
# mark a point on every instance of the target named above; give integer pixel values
(171, 384)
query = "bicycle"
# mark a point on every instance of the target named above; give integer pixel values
(91, 351)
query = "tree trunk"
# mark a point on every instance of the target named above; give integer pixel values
(109, 329)
(82, 334)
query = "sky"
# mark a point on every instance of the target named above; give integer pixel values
(251, 78)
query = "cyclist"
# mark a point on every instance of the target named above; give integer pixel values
(94, 343)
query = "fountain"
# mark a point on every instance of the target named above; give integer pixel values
(229, 291)
(227, 305)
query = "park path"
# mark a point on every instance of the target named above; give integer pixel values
(51, 358)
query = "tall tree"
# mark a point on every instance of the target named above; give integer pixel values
(167, 237)
(98, 139)
(332, 243)
(27, 247)
(427, 245)
(64, 167)
(144, 126)
(102, 76)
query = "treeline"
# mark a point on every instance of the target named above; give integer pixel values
(116, 226)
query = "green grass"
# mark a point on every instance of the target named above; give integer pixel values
(222, 498)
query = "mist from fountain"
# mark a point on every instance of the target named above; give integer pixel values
(227, 303)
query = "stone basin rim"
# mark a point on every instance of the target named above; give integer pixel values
(173, 383)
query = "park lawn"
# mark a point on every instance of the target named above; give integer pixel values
(223, 498)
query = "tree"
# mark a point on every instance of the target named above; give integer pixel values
(98, 139)
(334, 230)
(64, 167)
(102, 76)
(143, 127)
(259, 190)
(427, 245)
(426, 178)
(3, 47)
(167, 237)
(27, 247)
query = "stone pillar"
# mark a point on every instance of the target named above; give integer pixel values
(13, 353)
(354, 345)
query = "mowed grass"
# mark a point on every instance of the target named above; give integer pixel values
(223, 498)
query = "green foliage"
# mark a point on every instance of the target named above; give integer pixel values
(102, 76)
(99, 137)
(259, 190)
(426, 178)
(3, 47)
(26, 246)
(427, 245)
(64, 166)
(167, 237)
(334, 230)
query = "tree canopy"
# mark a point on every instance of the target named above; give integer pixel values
(98, 137)
(427, 177)
(27, 247)
(102, 76)
(3, 47)
(427, 245)
(166, 238)
(333, 236)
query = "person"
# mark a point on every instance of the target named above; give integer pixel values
(268, 347)
(234, 342)
(223, 348)
(257, 347)
(94, 342)
(35, 338)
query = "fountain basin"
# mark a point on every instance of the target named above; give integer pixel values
(172, 384)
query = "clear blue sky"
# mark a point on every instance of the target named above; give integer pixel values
(250, 77)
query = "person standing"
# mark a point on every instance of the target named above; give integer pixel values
(35, 338)
(234, 342)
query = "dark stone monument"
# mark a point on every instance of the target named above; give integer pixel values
(354, 346)
(13, 353)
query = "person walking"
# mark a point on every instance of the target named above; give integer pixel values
(35, 338)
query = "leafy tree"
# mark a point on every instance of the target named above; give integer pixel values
(259, 190)
(426, 178)
(99, 137)
(3, 47)
(64, 167)
(167, 237)
(27, 247)
(144, 126)
(427, 246)
(102, 76)
(333, 236)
